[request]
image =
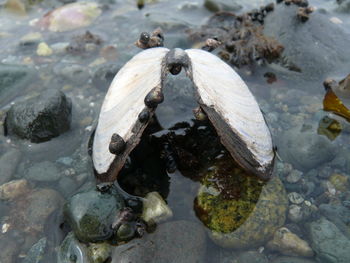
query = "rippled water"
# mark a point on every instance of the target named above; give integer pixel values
(288, 103)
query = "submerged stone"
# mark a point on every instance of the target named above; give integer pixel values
(220, 5)
(288, 243)
(8, 163)
(328, 242)
(14, 79)
(91, 214)
(14, 189)
(99, 252)
(71, 16)
(155, 209)
(305, 150)
(43, 172)
(307, 45)
(37, 252)
(40, 119)
(71, 250)
(33, 211)
(175, 242)
(240, 211)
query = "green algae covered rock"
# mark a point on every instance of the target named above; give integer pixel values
(241, 211)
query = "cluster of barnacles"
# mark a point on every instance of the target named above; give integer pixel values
(243, 41)
(304, 10)
(155, 39)
(247, 44)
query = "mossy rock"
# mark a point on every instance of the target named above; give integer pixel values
(240, 210)
(90, 214)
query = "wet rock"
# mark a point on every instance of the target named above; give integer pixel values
(250, 257)
(255, 225)
(84, 43)
(67, 185)
(307, 45)
(43, 50)
(155, 209)
(99, 252)
(9, 249)
(72, 250)
(329, 244)
(70, 16)
(221, 5)
(338, 211)
(32, 211)
(74, 73)
(16, 6)
(8, 163)
(37, 252)
(104, 75)
(292, 260)
(43, 172)
(31, 39)
(289, 244)
(40, 119)
(305, 150)
(91, 213)
(60, 47)
(294, 176)
(176, 242)
(295, 198)
(295, 213)
(343, 6)
(340, 182)
(14, 189)
(338, 215)
(14, 80)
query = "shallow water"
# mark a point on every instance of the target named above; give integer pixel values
(288, 103)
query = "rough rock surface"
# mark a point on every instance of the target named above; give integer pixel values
(328, 242)
(40, 119)
(172, 242)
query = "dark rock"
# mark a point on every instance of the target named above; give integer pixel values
(8, 163)
(329, 244)
(344, 6)
(305, 150)
(172, 242)
(292, 260)
(104, 75)
(251, 257)
(220, 5)
(317, 46)
(40, 119)
(74, 73)
(91, 214)
(37, 252)
(14, 80)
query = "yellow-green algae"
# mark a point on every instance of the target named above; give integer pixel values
(240, 210)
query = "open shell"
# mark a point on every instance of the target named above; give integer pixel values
(222, 94)
(233, 111)
(123, 103)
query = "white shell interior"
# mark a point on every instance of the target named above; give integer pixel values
(124, 101)
(222, 89)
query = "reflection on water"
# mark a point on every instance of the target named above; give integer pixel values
(180, 158)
